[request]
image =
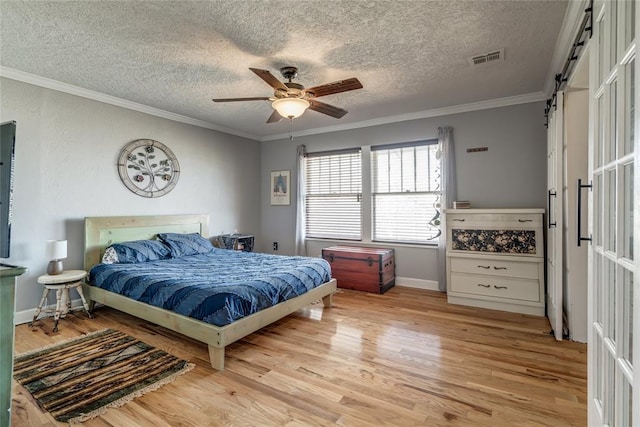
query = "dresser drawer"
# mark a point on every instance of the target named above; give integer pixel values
(494, 221)
(497, 287)
(521, 242)
(525, 270)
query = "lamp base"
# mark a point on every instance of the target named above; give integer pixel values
(54, 267)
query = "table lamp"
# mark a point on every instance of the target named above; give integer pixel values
(56, 251)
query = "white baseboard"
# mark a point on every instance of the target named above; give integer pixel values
(26, 316)
(408, 282)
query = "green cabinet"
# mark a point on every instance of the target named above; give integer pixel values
(8, 275)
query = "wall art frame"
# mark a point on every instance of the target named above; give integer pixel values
(148, 168)
(280, 188)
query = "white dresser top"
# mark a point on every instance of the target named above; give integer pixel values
(502, 211)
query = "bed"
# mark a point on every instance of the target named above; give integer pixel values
(101, 232)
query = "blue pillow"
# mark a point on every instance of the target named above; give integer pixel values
(140, 251)
(186, 244)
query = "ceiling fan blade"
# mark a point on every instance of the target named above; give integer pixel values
(269, 78)
(327, 109)
(274, 117)
(257, 98)
(334, 87)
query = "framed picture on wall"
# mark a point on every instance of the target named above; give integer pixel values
(280, 187)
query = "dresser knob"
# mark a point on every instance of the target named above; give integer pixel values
(484, 266)
(500, 287)
(484, 286)
(499, 268)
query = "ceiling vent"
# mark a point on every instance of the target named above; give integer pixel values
(492, 57)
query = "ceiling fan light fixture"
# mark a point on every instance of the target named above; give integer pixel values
(290, 108)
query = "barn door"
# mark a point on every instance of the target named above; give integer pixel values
(555, 139)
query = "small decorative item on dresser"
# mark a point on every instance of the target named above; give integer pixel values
(362, 268)
(461, 204)
(56, 251)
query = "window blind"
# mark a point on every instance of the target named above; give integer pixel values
(405, 192)
(334, 195)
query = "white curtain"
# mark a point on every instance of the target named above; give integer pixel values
(301, 248)
(448, 182)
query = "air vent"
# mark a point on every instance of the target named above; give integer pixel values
(487, 58)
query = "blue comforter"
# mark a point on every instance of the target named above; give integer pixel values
(217, 287)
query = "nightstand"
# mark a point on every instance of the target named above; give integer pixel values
(237, 242)
(61, 283)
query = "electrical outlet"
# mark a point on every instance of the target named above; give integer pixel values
(275, 246)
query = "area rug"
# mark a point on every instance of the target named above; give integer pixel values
(81, 378)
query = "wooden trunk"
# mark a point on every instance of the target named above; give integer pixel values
(362, 268)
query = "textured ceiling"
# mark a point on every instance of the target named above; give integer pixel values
(411, 56)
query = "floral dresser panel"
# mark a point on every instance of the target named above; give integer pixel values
(498, 241)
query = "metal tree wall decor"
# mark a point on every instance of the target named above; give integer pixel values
(148, 168)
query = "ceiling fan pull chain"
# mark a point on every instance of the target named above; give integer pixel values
(290, 129)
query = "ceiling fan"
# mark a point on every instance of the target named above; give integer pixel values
(290, 99)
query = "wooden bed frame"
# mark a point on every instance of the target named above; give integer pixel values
(100, 232)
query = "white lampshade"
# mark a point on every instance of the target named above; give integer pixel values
(290, 108)
(56, 249)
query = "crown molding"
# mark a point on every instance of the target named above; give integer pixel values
(570, 25)
(21, 76)
(445, 111)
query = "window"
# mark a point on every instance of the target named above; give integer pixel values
(405, 192)
(334, 194)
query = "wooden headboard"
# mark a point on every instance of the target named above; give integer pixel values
(100, 232)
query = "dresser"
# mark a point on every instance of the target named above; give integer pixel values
(8, 275)
(362, 268)
(495, 259)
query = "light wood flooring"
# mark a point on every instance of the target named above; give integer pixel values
(399, 359)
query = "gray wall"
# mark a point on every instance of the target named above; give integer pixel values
(511, 174)
(67, 147)
(66, 152)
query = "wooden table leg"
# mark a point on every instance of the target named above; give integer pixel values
(65, 303)
(67, 297)
(56, 316)
(39, 309)
(84, 302)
